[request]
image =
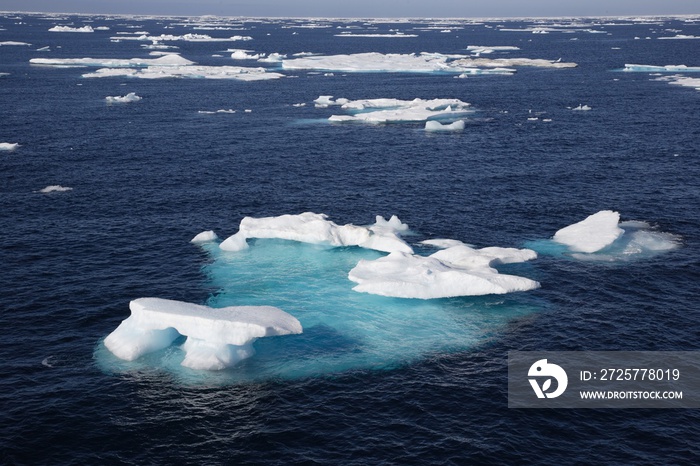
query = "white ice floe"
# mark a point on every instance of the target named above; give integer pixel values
(71, 29)
(57, 188)
(205, 237)
(582, 107)
(414, 63)
(130, 97)
(661, 69)
(8, 146)
(216, 338)
(680, 36)
(396, 35)
(591, 234)
(679, 80)
(209, 112)
(189, 71)
(244, 55)
(167, 60)
(317, 229)
(185, 38)
(458, 270)
(436, 126)
(10, 42)
(377, 111)
(479, 49)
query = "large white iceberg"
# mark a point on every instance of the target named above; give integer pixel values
(216, 338)
(458, 270)
(377, 111)
(314, 228)
(592, 234)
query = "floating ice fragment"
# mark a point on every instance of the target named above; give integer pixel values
(167, 60)
(458, 270)
(216, 338)
(205, 237)
(582, 107)
(436, 126)
(661, 69)
(130, 97)
(55, 189)
(8, 146)
(71, 29)
(240, 54)
(413, 63)
(377, 111)
(592, 234)
(316, 229)
(9, 42)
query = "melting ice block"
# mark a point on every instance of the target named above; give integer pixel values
(205, 237)
(591, 234)
(317, 229)
(385, 110)
(216, 338)
(8, 146)
(436, 126)
(458, 270)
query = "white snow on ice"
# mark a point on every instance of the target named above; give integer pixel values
(216, 338)
(661, 69)
(10, 42)
(314, 228)
(458, 270)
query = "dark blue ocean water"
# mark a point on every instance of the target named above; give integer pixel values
(148, 176)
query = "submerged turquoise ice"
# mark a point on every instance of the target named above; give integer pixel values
(343, 329)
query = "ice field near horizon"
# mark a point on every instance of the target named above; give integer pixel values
(296, 240)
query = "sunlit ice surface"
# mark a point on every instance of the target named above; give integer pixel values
(342, 329)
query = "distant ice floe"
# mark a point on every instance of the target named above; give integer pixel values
(457, 270)
(479, 49)
(210, 112)
(216, 338)
(317, 229)
(661, 69)
(55, 189)
(185, 38)
(415, 63)
(167, 66)
(130, 97)
(8, 146)
(582, 108)
(378, 111)
(71, 29)
(240, 54)
(602, 237)
(680, 36)
(10, 42)
(399, 35)
(679, 80)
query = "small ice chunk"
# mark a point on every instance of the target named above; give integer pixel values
(57, 188)
(8, 146)
(71, 29)
(130, 97)
(582, 107)
(436, 126)
(217, 338)
(205, 237)
(592, 234)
